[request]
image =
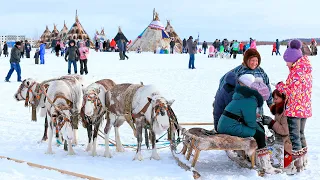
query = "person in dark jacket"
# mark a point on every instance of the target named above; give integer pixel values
(191, 50)
(57, 48)
(120, 47)
(72, 56)
(22, 49)
(53, 45)
(277, 47)
(125, 49)
(172, 44)
(5, 49)
(15, 62)
(223, 97)
(27, 47)
(36, 56)
(184, 46)
(204, 46)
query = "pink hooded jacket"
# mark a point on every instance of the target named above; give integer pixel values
(83, 51)
(298, 89)
(253, 45)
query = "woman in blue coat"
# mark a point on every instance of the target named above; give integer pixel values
(239, 119)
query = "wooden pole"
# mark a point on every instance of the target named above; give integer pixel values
(51, 168)
(196, 124)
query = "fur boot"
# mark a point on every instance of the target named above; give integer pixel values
(305, 158)
(290, 169)
(264, 162)
(298, 159)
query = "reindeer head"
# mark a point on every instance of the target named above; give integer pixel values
(91, 102)
(62, 120)
(160, 113)
(23, 89)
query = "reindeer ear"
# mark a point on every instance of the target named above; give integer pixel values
(170, 102)
(149, 99)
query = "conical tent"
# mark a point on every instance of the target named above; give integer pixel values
(178, 42)
(77, 32)
(46, 35)
(120, 36)
(152, 38)
(64, 31)
(100, 36)
(54, 33)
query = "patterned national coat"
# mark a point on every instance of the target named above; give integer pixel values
(298, 89)
(244, 104)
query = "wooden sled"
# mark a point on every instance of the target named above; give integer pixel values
(198, 139)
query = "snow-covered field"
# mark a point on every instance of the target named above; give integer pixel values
(193, 91)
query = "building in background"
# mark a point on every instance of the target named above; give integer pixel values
(11, 39)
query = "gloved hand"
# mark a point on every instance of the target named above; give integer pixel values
(266, 120)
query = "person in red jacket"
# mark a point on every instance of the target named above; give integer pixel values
(274, 48)
(241, 47)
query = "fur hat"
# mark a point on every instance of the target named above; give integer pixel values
(293, 52)
(259, 86)
(251, 53)
(18, 43)
(247, 79)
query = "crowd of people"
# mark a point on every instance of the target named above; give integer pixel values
(237, 108)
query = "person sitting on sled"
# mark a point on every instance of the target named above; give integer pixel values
(282, 146)
(239, 119)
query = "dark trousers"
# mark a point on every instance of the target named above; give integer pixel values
(83, 66)
(260, 138)
(171, 50)
(14, 67)
(74, 63)
(28, 54)
(121, 55)
(22, 55)
(36, 60)
(124, 55)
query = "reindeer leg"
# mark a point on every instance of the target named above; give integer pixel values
(106, 138)
(155, 154)
(70, 149)
(95, 134)
(119, 146)
(139, 124)
(75, 133)
(45, 136)
(89, 131)
(50, 134)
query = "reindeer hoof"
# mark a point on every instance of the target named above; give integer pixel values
(88, 147)
(155, 156)
(49, 151)
(107, 155)
(138, 156)
(94, 153)
(44, 138)
(71, 153)
(120, 149)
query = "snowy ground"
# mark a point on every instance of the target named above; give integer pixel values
(193, 91)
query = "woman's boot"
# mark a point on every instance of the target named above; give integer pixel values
(305, 158)
(298, 159)
(264, 162)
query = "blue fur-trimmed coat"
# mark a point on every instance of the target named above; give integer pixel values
(244, 104)
(223, 97)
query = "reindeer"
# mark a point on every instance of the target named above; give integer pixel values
(93, 110)
(30, 92)
(64, 100)
(140, 106)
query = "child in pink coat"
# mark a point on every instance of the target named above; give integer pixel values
(84, 51)
(298, 89)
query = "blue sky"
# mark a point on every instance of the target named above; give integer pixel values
(232, 19)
